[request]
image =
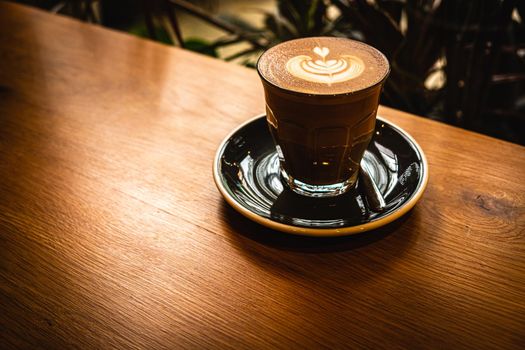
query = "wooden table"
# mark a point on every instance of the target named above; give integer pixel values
(112, 233)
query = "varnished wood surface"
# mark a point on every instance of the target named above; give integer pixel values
(113, 235)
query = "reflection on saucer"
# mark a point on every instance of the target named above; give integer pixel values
(246, 171)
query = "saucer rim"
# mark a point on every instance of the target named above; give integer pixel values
(321, 232)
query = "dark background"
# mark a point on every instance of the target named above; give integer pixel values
(457, 61)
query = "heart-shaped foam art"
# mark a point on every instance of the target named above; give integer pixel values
(325, 71)
(323, 52)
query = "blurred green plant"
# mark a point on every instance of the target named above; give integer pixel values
(458, 61)
(461, 62)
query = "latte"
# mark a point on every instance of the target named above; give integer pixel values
(321, 97)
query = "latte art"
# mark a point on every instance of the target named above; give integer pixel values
(325, 71)
(322, 66)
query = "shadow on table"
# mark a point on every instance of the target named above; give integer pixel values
(306, 244)
(321, 262)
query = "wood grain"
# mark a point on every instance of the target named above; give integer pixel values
(112, 234)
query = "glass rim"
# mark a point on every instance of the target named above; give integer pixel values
(325, 95)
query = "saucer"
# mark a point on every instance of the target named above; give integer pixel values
(246, 172)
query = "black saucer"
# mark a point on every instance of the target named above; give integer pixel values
(246, 172)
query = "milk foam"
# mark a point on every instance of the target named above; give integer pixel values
(323, 66)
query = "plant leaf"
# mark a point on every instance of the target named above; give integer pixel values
(201, 46)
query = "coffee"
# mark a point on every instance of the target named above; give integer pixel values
(321, 100)
(323, 66)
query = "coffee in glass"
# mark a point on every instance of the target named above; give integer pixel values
(322, 95)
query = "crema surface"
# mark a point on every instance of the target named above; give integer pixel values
(323, 66)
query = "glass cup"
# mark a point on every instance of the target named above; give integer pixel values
(321, 109)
